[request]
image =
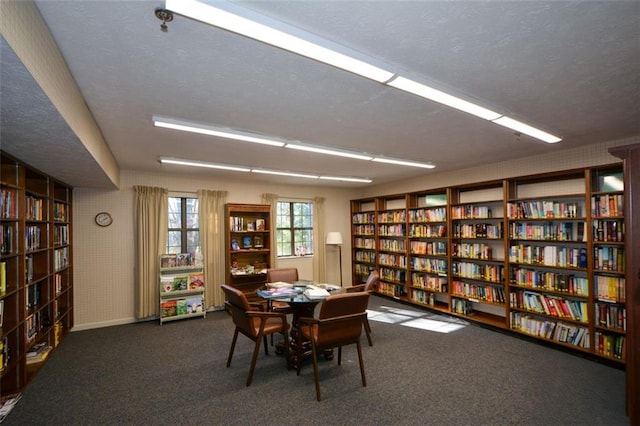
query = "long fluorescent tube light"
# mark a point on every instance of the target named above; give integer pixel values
(167, 160)
(232, 22)
(344, 179)
(221, 132)
(266, 33)
(279, 173)
(194, 163)
(526, 129)
(432, 94)
(403, 162)
(336, 152)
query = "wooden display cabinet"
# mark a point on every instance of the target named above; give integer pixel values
(247, 245)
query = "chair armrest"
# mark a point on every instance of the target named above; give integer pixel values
(260, 306)
(308, 320)
(356, 288)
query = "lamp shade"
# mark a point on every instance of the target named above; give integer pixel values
(334, 238)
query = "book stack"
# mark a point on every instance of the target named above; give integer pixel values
(38, 353)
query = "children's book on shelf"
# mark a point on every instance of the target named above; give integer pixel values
(259, 224)
(234, 244)
(194, 305)
(196, 281)
(168, 261)
(181, 307)
(180, 282)
(169, 308)
(257, 242)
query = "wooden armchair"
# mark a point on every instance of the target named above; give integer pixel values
(254, 324)
(339, 323)
(368, 286)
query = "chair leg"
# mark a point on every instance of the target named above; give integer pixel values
(233, 346)
(316, 376)
(254, 358)
(266, 347)
(367, 330)
(364, 380)
(339, 355)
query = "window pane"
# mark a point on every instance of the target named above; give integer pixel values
(175, 215)
(283, 243)
(192, 213)
(304, 241)
(174, 244)
(193, 241)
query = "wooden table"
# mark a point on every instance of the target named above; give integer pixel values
(301, 306)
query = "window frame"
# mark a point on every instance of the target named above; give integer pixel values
(292, 228)
(184, 229)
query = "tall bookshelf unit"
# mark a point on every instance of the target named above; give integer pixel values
(36, 277)
(538, 255)
(428, 249)
(391, 220)
(248, 245)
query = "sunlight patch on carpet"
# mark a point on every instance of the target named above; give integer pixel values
(433, 325)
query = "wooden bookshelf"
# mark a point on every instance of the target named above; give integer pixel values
(534, 255)
(36, 275)
(247, 245)
(631, 173)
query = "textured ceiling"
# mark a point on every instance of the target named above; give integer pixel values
(570, 67)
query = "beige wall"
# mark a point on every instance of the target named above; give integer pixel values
(103, 257)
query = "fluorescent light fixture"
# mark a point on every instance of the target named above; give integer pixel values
(346, 179)
(336, 152)
(279, 173)
(526, 129)
(193, 163)
(229, 21)
(432, 94)
(221, 132)
(403, 162)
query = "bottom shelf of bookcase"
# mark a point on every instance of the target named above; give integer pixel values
(181, 317)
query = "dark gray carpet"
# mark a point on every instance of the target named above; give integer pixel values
(147, 374)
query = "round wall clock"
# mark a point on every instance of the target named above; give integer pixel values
(104, 219)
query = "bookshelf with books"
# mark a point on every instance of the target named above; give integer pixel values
(543, 256)
(181, 287)
(630, 154)
(478, 268)
(428, 249)
(363, 234)
(548, 262)
(391, 226)
(36, 282)
(248, 245)
(608, 260)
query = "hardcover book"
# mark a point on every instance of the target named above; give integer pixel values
(196, 281)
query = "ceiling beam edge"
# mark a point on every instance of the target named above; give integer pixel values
(26, 32)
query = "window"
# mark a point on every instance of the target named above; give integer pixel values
(184, 233)
(294, 228)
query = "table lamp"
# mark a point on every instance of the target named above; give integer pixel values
(335, 239)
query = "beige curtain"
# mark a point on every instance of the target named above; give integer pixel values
(272, 200)
(319, 247)
(151, 218)
(211, 211)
